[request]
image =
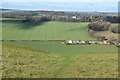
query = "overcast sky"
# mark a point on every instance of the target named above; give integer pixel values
(105, 6)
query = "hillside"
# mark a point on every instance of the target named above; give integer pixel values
(28, 62)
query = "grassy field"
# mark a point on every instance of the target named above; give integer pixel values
(53, 60)
(45, 59)
(67, 50)
(18, 30)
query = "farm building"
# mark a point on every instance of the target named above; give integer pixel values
(92, 42)
(103, 42)
(70, 41)
(82, 42)
(74, 17)
(75, 42)
(106, 42)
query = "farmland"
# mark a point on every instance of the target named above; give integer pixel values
(35, 59)
(52, 59)
(18, 30)
(59, 40)
(62, 49)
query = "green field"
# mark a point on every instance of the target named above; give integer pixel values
(18, 30)
(57, 60)
(63, 49)
(51, 59)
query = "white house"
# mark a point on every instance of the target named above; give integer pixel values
(74, 17)
(70, 41)
(83, 42)
(106, 42)
(78, 42)
(99, 42)
(91, 42)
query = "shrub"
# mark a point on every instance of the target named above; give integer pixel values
(116, 29)
(99, 26)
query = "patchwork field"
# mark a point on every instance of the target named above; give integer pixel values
(18, 30)
(53, 60)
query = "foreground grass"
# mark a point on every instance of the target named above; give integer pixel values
(93, 66)
(26, 62)
(21, 62)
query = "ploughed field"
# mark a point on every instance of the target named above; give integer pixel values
(44, 59)
(13, 29)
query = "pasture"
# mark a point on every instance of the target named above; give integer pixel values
(45, 59)
(67, 50)
(18, 30)
(56, 60)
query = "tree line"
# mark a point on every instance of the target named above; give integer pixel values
(37, 16)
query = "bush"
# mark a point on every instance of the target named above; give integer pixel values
(99, 26)
(116, 29)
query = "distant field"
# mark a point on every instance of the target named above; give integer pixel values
(18, 30)
(56, 60)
